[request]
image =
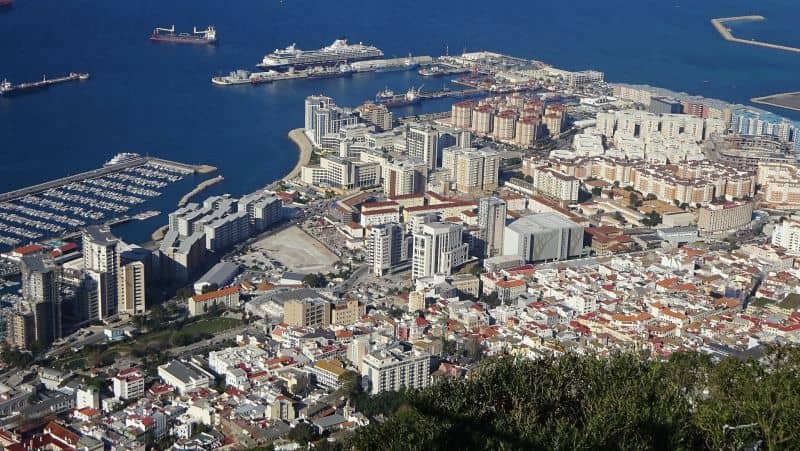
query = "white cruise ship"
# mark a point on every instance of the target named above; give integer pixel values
(338, 52)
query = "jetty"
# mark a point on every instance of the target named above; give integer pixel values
(203, 185)
(726, 33)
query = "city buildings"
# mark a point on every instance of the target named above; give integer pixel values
(437, 249)
(323, 118)
(184, 376)
(386, 248)
(492, 213)
(422, 142)
(472, 170)
(724, 217)
(128, 384)
(225, 298)
(307, 312)
(393, 369)
(787, 236)
(543, 237)
(101, 261)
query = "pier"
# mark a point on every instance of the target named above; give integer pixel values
(726, 33)
(8, 89)
(199, 188)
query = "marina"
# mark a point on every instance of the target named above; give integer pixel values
(106, 195)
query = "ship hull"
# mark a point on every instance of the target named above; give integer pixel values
(182, 40)
(333, 61)
(18, 91)
(6, 3)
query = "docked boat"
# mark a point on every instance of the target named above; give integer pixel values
(338, 52)
(238, 77)
(207, 36)
(388, 98)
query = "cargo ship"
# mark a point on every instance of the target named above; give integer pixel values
(207, 36)
(337, 53)
(4, 3)
(9, 89)
(388, 98)
(439, 71)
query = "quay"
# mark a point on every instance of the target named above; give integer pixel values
(199, 188)
(726, 33)
(787, 100)
(95, 173)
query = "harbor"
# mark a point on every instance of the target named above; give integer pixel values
(726, 33)
(108, 195)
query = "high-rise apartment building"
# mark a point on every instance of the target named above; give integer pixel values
(472, 170)
(385, 248)
(492, 222)
(422, 141)
(101, 260)
(438, 248)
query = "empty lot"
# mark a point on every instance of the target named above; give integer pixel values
(298, 251)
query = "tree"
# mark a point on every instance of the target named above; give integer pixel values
(651, 196)
(529, 179)
(210, 287)
(315, 280)
(349, 384)
(597, 191)
(302, 433)
(492, 299)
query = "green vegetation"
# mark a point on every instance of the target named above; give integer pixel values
(151, 346)
(16, 358)
(315, 280)
(687, 402)
(792, 302)
(762, 302)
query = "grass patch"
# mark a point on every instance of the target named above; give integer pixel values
(792, 302)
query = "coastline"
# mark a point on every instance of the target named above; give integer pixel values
(305, 148)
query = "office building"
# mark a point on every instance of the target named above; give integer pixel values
(394, 369)
(347, 312)
(225, 298)
(128, 384)
(665, 105)
(729, 216)
(404, 176)
(385, 248)
(422, 142)
(543, 237)
(184, 376)
(437, 249)
(308, 312)
(787, 236)
(472, 170)
(377, 115)
(492, 222)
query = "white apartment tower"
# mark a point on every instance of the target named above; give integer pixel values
(101, 261)
(438, 248)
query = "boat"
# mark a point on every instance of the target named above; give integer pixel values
(338, 52)
(438, 71)
(238, 77)
(4, 3)
(207, 36)
(270, 76)
(388, 98)
(8, 89)
(321, 72)
(123, 157)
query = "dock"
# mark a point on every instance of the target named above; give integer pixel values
(726, 33)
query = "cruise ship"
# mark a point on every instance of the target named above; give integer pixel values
(122, 158)
(338, 52)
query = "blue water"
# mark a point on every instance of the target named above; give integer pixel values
(156, 98)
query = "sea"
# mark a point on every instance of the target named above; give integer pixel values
(156, 99)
